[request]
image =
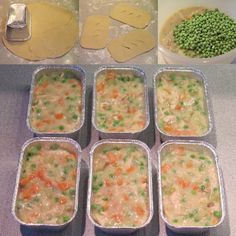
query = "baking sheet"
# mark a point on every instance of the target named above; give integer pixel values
(14, 92)
(103, 7)
(6, 57)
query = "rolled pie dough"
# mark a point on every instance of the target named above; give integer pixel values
(128, 14)
(54, 33)
(95, 32)
(131, 45)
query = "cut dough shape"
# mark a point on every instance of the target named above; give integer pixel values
(131, 45)
(54, 33)
(128, 14)
(95, 32)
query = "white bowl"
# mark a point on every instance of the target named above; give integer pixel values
(169, 7)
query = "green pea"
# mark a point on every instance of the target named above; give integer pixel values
(54, 146)
(61, 127)
(66, 219)
(217, 214)
(208, 34)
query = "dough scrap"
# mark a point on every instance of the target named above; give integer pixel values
(131, 15)
(131, 45)
(95, 32)
(54, 33)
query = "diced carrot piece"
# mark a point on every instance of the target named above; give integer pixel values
(113, 129)
(106, 206)
(120, 181)
(39, 124)
(79, 108)
(167, 90)
(116, 129)
(47, 121)
(44, 84)
(24, 181)
(183, 183)
(27, 179)
(118, 171)
(66, 93)
(36, 90)
(131, 169)
(168, 128)
(34, 215)
(184, 132)
(165, 168)
(110, 75)
(73, 155)
(74, 173)
(194, 187)
(214, 220)
(180, 150)
(111, 157)
(189, 164)
(63, 200)
(79, 86)
(100, 87)
(63, 186)
(139, 211)
(117, 217)
(40, 174)
(42, 177)
(59, 116)
(115, 93)
(132, 110)
(144, 179)
(171, 130)
(178, 107)
(126, 197)
(29, 192)
(120, 117)
(140, 123)
(108, 183)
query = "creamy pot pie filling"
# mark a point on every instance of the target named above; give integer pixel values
(120, 195)
(190, 187)
(46, 193)
(56, 102)
(120, 102)
(181, 104)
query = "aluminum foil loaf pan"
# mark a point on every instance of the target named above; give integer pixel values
(79, 74)
(71, 146)
(110, 143)
(104, 132)
(18, 27)
(189, 187)
(195, 74)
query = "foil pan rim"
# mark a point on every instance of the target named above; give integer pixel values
(202, 77)
(219, 177)
(14, 198)
(147, 113)
(150, 186)
(33, 82)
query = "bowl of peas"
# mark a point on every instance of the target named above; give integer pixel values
(199, 32)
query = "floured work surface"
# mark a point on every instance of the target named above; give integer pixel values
(116, 30)
(54, 33)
